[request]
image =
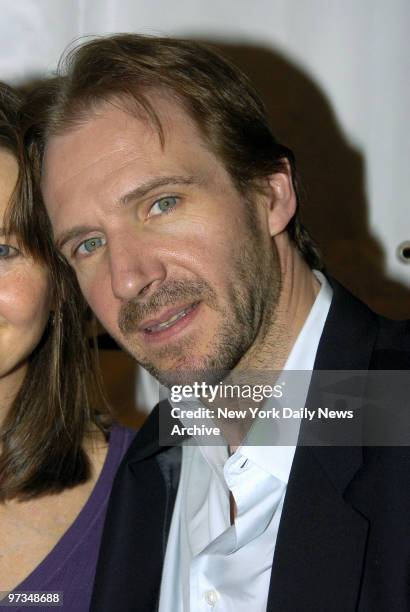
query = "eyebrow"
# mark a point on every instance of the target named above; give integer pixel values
(75, 232)
(145, 188)
(135, 194)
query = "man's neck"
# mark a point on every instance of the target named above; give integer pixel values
(299, 288)
(267, 358)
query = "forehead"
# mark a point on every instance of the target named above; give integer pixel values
(113, 138)
(8, 178)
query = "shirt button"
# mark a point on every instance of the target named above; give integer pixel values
(211, 598)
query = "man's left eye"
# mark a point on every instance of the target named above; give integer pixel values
(163, 205)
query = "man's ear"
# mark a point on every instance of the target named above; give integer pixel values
(281, 201)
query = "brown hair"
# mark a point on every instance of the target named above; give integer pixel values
(43, 432)
(216, 94)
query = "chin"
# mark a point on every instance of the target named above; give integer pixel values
(188, 370)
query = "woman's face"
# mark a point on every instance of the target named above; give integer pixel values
(25, 294)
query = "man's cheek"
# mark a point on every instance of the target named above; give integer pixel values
(101, 300)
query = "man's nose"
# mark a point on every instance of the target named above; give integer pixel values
(135, 267)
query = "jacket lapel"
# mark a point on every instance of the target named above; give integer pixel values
(321, 544)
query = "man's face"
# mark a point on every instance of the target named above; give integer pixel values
(177, 265)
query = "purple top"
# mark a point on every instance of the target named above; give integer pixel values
(70, 565)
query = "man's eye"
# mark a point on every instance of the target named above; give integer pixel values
(90, 245)
(163, 205)
(7, 251)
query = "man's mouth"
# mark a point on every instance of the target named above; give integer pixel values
(169, 319)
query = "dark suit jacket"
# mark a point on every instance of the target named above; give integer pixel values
(344, 539)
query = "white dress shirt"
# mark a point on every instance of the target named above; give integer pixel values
(209, 563)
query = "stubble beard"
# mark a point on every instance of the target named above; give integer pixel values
(253, 293)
